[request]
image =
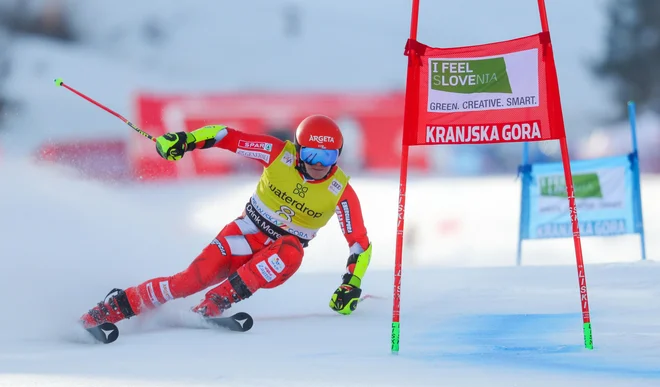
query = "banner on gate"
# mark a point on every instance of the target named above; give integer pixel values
(495, 93)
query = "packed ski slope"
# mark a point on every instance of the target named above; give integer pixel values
(66, 243)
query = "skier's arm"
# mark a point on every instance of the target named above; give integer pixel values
(262, 148)
(349, 213)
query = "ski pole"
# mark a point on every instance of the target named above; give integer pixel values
(59, 82)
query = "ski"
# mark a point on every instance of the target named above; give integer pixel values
(239, 322)
(105, 333)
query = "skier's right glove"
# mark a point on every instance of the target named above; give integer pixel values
(172, 146)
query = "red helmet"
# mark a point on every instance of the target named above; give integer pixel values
(319, 131)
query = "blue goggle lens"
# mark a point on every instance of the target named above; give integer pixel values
(326, 157)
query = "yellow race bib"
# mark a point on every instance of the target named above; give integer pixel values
(300, 207)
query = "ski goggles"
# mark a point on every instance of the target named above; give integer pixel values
(313, 156)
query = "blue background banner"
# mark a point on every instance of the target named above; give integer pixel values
(607, 194)
(604, 192)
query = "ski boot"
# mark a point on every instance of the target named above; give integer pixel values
(221, 298)
(213, 305)
(112, 310)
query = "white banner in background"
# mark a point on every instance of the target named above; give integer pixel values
(603, 196)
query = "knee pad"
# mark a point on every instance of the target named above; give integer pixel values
(290, 252)
(293, 245)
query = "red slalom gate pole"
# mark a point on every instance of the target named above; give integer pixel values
(59, 82)
(408, 127)
(582, 280)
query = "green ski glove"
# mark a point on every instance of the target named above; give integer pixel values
(172, 146)
(347, 296)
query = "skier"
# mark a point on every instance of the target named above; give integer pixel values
(300, 188)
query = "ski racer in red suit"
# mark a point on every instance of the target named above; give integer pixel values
(301, 187)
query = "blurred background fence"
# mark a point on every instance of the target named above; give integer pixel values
(262, 65)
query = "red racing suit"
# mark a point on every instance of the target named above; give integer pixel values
(242, 252)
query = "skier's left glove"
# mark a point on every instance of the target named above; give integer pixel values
(345, 299)
(347, 296)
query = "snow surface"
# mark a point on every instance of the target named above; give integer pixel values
(469, 317)
(67, 242)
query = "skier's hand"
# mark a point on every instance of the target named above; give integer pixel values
(172, 146)
(347, 296)
(345, 299)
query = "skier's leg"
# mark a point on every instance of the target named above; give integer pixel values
(211, 266)
(232, 247)
(268, 268)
